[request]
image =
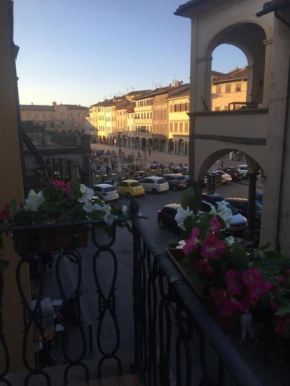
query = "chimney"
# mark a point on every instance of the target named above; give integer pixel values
(54, 104)
(32, 103)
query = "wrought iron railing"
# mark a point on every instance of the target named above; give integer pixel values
(175, 341)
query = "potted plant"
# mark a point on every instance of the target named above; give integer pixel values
(55, 218)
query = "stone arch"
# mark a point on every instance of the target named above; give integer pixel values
(180, 146)
(171, 146)
(150, 143)
(163, 144)
(137, 142)
(156, 144)
(249, 37)
(143, 143)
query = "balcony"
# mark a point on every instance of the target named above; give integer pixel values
(244, 126)
(126, 313)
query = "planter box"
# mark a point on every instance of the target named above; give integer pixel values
(226, 323)
(47, 240)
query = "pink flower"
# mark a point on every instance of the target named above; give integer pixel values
(59, 184)
(5, 213)
(192, 242)
(68, 189)
(281, 279)
(227, 305)
(203, 266)
(252, 277)
(213, 247)
(234, 282)
(215, 225)
(274, 305)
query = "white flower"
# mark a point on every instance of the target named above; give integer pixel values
(109, 218)
(181, 216)
(225, 213)
(98, 207)
(125, 210)
(87, 194)
(88, 207)
(33, 201)
(181, 244)
(230, 240)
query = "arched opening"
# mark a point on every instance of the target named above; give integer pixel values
(150, 143)
(171, 146)
(163, 145)
(124, 140)
(137, 142)
(114, 141)
(237, 177)
(181, 146)
(143, 143)
(156, 144)
(241, 45)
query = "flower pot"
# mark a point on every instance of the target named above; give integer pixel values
(226, 323)
(47, 240)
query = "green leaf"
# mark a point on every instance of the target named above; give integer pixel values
(188, 223)
(188, 200)
(284, 310)
(4, 264)
(238, 258)
(75, 190)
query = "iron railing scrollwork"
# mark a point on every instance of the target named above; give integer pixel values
(178, 330)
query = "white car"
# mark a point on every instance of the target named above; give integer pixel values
(225, 176)
(244, 170)
(106, 192)
(238, 222)
(154, 184)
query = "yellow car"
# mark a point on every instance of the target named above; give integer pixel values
(130, 188)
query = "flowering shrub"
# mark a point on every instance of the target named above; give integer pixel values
(236, 279)
(59, 202)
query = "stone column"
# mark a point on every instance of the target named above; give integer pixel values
(267, 71)
(203, 84)
(250, 83)
(252, 203)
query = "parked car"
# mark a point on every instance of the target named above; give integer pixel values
(166, 218)
(175, 181)
(235, 173)
(238, 222)
(259, 197)
(106, 192)
(212, 198)
(130, 188)
(154, 184)
(242, 206)
(244, 170)
(224, 176)
(186, 177)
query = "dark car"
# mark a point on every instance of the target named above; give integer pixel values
(235, 173)
(242, 206)
(259, 197)
(175, 181)
(166, 218)
(212, 198)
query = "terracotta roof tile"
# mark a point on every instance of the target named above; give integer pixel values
(36, 108)
(237, 74)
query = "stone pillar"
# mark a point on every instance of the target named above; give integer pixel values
(252, 203)
(267, 71)
(203, 84)
(250, 83)
(86, 153)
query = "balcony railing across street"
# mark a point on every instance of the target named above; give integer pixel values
(175, 342)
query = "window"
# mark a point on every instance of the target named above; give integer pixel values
(238, 87)
(217, 108)
(175, 127)
(171, 127)
(186, 106)
(186, 127)
(228, 87)
(181, 127)
(218, 89)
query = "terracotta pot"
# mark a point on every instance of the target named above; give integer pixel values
(49, 240)
(226, 323)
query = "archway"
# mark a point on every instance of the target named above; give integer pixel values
(171, 146)
(137, 142)
(143, 143)
(124, 140)
(249, 209)
(150, 143)
(180, 146)
(156, 144)
(248, 37)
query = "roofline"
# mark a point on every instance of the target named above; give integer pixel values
(183, 8)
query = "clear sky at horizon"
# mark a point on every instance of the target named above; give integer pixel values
(80, 51)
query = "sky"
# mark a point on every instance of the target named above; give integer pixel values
(82, 51)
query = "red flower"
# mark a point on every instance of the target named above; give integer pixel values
(192, 242)
(68, 189)
(5, 213)
(234, 282)
(203, 266)
(213, 247)
(215, 225)
(59, 184)
(227, 305)
(252, 277)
